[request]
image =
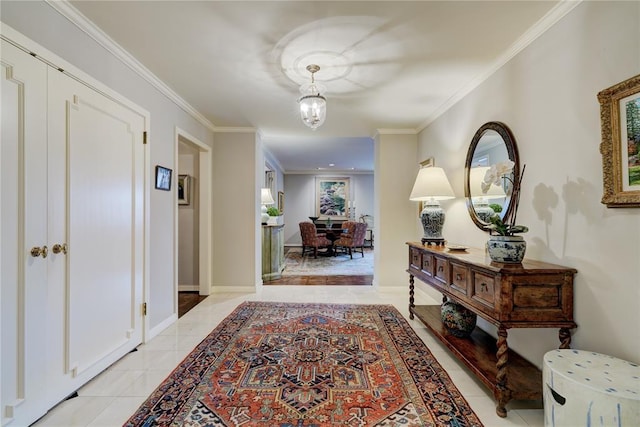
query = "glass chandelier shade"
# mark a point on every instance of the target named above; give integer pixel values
(313, 106)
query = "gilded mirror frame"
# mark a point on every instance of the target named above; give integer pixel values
(512, 152)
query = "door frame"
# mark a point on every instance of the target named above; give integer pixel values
(204, 186)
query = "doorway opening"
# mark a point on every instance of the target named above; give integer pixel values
(193, 219)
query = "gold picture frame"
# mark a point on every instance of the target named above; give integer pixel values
(281, 202)
(620, 146)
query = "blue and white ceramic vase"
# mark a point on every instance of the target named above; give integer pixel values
(506, 249)
(459, 320)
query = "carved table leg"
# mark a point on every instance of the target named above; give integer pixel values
(411, 300)
(565, 338)
(502, 392)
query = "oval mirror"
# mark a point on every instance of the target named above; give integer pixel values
(491, 144)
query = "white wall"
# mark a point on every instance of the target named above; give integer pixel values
(395, 216)
(236, 225)
(44, 25)
(547, 96)
(300, 200)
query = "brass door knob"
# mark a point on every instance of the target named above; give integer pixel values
(39, 251)
(57, 248)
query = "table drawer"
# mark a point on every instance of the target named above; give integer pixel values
(483, 290)
(441, 270)
(427, 264)
(415, 259)
(459, 279)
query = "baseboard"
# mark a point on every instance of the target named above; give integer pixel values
(232, 289)
(188, 288)
(161, 327)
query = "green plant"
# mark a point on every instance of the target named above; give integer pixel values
(495, 207)
(273, 211)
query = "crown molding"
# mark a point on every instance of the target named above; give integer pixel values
(396, 132)
(231, 129)
(535, 31)
(67, 10)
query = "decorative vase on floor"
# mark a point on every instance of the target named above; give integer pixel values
(459, 320)
(506, 249)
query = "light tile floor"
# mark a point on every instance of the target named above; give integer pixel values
(113, 396)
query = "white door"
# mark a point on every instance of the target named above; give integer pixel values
(72, 232)
(23, 226)
(96, 208)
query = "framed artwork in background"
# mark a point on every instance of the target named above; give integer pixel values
(331, 197)
(163, 178)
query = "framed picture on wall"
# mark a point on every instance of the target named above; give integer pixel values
(620, 147)
(331, 197)
(184, 189)
(163, 178)
(281, 201)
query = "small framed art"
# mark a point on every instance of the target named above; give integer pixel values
(163, 178)
(184, 189)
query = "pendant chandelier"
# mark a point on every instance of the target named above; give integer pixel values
(313, 106)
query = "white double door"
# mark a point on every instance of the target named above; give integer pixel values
(72, 231)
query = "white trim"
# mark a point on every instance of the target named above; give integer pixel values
(188, 288)
(395, 132)
(222, 129)
(539, 28)
(162, 326)
(233, 289)
(67, 10)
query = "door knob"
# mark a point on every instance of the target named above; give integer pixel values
(57, 248)
(39, 251)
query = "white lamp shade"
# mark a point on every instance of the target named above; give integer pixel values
(431, 183)
(265, 197)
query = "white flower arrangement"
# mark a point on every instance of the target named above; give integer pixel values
(500, 174)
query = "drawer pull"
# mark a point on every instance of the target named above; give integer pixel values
(458, 276)
(440, 268)
(483, 287)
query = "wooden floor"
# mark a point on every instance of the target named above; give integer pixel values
(188, 300)
(322, 280)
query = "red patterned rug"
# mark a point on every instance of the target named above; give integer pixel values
(308, 365)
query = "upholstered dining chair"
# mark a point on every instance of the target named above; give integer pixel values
(311, 239)
(353, 238)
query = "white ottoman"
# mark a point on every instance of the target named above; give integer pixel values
(583, 388)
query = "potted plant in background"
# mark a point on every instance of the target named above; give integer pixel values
(503, 244)
(274, 213)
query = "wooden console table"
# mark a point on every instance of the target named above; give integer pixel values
(528, 295)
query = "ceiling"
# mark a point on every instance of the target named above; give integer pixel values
(385, 64)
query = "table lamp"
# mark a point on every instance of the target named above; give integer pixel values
(265, 199)
(430, 187)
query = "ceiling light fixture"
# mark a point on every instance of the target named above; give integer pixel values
(313, 106)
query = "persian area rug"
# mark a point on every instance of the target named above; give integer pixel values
(308, 365)
(341, 265)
